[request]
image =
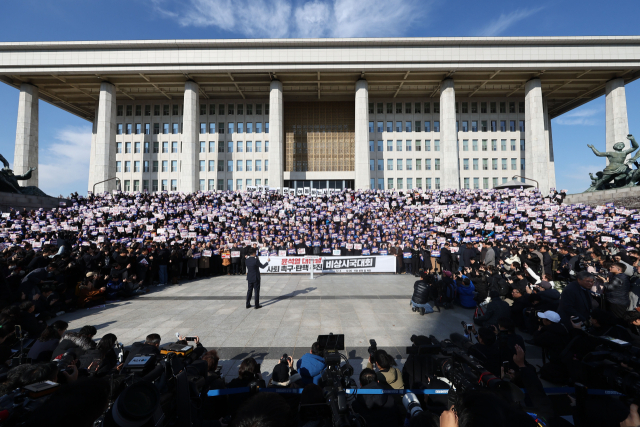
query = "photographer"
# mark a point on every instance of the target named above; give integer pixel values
(248, 376)
(486, 349)
(150, 346)
(552, 335)
(508, 340)
(101, 360)
(549, 296)
(28, 320)
(617, 290)
(465, 291)
(378, 410)
(76, 342)
(43, 348)
(494, 311)
(311, 365)
(284, 376)
(388, 374)
(576, 299)
(520, 304)
(423, 292)
(483, 407)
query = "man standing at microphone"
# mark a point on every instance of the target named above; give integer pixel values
(254, 265)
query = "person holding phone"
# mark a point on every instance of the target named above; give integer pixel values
(254, 265)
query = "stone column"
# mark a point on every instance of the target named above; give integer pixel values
(276, 135)
(189, 173)
(536, 164)
(617, 127)
(361, 164)
(105, 151)
(92, 156)
(26, 150)
(450, 163)
(548, 136)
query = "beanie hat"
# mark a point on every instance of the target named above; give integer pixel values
(280, 373)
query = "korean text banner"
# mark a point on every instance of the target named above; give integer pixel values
(330, 264)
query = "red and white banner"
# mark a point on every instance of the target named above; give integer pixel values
(330, 264)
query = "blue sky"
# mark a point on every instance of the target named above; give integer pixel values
(65, 139)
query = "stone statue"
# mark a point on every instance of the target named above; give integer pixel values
(617, 174)
(9, 181)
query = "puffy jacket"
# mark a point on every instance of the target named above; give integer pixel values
(376, 409)
(72, 341)
(617, 290)
(310, 367)
(420, 292)
(465, 293)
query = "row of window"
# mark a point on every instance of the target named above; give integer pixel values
(241, 146)
(399, 183)
(416, 107)
(379, 108)
(409, 145)
(174, 128)
(494, 145)
(173, 166)
(204, 185)
(417, 126)
(494, 164)
(402, 163)
(176, 109)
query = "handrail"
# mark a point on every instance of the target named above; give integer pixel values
(115, 177)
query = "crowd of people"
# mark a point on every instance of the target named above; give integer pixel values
(562, 274)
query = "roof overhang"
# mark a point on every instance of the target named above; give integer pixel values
(573, 70)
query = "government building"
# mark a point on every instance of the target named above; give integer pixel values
(392, 113)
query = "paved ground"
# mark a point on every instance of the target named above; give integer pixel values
(295, 311)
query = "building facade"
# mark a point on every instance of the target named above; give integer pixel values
(332, 113)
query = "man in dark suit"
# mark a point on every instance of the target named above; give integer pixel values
(575, 299)
(253, 276)
(445, 258)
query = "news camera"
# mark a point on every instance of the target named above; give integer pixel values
(448, 360)
(159, 383)
(336, 379)
(614, 364)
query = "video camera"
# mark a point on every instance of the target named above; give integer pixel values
(336, 378)
(162, 383)
(448, 360)
(614, 364)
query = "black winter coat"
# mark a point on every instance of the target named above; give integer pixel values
(617, 290)
(553, 338)
(376, 409)
(494, 311)
(421, 292)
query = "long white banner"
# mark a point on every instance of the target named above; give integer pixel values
(330, 264)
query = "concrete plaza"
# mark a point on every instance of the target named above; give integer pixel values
(295, 311)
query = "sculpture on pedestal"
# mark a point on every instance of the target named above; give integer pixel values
(618, 173)
(9, 181)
